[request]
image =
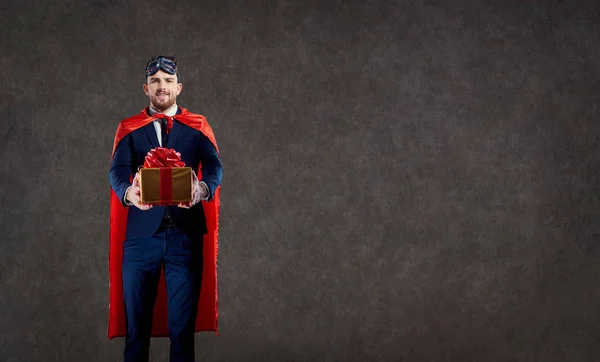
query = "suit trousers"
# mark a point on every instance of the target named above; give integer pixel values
(143, 260)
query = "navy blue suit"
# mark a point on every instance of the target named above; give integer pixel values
(150, 246)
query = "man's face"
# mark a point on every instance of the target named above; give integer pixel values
(162, 89)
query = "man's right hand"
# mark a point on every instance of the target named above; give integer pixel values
(133, 194)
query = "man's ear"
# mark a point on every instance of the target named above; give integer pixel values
(179, 87)
(146, 89)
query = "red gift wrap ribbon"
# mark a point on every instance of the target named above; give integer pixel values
(163, 157)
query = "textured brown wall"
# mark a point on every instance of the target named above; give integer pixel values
(411, 181)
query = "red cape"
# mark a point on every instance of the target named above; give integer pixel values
(207, 305)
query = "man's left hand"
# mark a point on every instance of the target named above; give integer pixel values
(199, 192)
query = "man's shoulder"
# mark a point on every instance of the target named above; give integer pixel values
(185, 113)
(193, 120)
(197, 122)
(131, 124)
(135, 122)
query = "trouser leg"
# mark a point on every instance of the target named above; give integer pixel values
(142, 258)
(183, 276)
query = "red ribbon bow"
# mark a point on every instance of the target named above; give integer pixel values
(163, 157)
(169, 120)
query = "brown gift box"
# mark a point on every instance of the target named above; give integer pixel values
(165, 186)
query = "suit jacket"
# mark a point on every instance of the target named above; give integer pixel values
(195, 149)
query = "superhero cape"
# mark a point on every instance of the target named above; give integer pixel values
(207, 305)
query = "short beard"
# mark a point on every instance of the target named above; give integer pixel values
(165, 106)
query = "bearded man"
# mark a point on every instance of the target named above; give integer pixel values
(170, 244)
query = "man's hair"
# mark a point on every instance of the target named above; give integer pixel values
(171, 58)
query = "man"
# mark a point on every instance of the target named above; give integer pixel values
(152, 244)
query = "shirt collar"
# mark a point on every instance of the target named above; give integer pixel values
(169, 112)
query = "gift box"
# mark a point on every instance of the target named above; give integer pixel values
(164, 179)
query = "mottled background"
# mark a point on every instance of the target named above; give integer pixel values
(403, 180)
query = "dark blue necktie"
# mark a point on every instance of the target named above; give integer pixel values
(164, 131)
(166, 123)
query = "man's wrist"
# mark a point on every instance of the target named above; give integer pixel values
(125, 199)
(206, 190)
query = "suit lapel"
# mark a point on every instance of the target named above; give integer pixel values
(151, 133)
(172, 138)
